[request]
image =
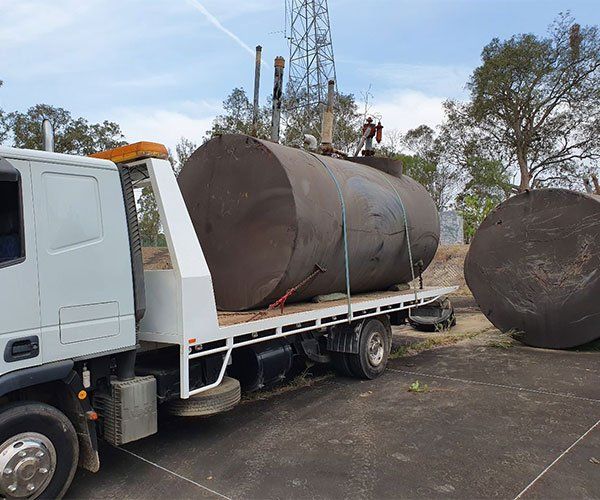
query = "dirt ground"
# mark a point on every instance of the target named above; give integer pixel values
(467, 413)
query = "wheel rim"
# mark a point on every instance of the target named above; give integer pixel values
(27, 464)
(375, 349)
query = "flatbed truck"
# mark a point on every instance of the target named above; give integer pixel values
(92, 344)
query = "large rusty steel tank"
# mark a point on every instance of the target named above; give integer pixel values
(534, 267)
(267, 215)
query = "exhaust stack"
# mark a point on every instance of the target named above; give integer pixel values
(47, 136)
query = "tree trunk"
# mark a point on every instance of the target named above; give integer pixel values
(596, 184)
(525, 175)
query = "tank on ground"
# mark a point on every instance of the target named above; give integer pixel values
(534, 267)
(267, 215)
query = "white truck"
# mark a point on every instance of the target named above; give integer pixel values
(92, 344)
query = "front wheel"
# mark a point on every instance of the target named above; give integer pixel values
(39, 451)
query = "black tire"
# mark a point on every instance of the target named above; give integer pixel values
(216, 400)
(28, 417)
(446, 320)
(366, 364)
(340, 363)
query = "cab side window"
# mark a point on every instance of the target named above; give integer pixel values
(12, 247)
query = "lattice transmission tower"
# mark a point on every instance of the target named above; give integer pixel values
(311, 52)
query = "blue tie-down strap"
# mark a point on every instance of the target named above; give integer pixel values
(10, 247)
(344, 233)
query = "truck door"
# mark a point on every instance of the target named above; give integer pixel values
(19, 294)
(86, 291)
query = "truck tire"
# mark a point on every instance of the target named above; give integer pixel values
(340, 363)
(39, 451)
(216, 400)
(373, 350)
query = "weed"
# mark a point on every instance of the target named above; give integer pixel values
(416, 386)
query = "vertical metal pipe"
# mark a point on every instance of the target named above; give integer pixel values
(277, 93)
(327, 123)
(47, 135)
(256, 89)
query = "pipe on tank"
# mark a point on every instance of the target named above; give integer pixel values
(277, 94)
(257, 63)
(268, 215)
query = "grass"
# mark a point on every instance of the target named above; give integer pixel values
(590, 347)
(305, 379)
(438, 340)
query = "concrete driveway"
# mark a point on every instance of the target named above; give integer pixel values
(493, 421)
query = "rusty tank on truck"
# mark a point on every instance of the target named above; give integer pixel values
(269, 217)
(534, 267)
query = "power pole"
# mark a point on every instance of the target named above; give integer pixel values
(311, 60)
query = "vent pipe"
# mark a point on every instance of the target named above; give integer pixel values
(277, 93)
(256, 89)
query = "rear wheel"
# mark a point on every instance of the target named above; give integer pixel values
(373, 351)
(39, 451)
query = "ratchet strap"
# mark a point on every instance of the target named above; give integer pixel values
(344, 232)
(405, 217)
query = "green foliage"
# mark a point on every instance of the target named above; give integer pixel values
(488, 186)
(238, 113)
(149, 218)
(183, 150)
(417, 387)
(427, 163)
(535, 104)
(346, 127)
(71, 135)
(237, 117)
(474, 209)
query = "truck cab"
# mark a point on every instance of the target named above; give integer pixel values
(57, 217)
(66, 300)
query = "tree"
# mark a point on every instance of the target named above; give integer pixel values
(237, 119)
(183, 150)
(425, 162)
(535, 103)
(149, 218)
(488, 185)
(71, 135)
(346, 126)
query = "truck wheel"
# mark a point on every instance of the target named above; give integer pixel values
(216, 400)
(373, 351)
(340, 363)
(39, 451)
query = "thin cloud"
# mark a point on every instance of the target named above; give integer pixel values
(217, 24)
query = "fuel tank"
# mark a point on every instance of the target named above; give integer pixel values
(534, 267)
(269, 216)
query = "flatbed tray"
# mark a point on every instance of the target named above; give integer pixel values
(228, 318)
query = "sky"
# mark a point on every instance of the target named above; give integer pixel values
(161, 68)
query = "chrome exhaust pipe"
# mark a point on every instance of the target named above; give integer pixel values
(47, 135)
